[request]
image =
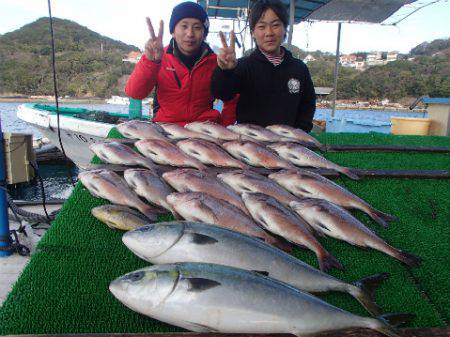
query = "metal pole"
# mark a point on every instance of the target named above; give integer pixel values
(336, 70)
(5, 239)
(291, 22)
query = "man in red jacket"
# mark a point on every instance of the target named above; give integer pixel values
(181, 71)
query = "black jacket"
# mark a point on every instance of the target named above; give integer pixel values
(269, 94)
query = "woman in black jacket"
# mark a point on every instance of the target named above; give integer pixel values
(274, 87)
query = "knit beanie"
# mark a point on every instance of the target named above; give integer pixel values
(188, 9)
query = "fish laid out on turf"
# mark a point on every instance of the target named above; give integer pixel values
(213, 130)
(256, 132)
(110, 186)
(119, 217)
(175, 132)
(183, 241)
(190, 180)
(213, 298)
(302, 156)
(209, 153)
(136, 129)
(296, 135)
(278, 219)
(306, 184)
(197, 206)
(149, 186)
(247, 181)
(331, 220)
(117, 153)
(256, 155)
(166, 153)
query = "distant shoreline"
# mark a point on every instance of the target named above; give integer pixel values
(97, 100)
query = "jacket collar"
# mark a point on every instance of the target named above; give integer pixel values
(258, 55)
(173, 49)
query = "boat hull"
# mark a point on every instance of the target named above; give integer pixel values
(76, 134)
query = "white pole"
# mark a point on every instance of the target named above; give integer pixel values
(336, 70)
(291, 22)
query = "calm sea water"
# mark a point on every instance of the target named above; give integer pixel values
(55, 177)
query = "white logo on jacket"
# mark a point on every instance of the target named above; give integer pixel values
(293, 86)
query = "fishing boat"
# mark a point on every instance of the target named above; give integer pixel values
(78, 127)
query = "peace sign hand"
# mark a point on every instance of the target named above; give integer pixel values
(226, 60)
(154, 48)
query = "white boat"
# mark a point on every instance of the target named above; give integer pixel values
(78, 127)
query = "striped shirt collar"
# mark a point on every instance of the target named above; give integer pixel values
(275, 60)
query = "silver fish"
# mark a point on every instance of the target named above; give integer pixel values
(119, 217)
(247, 181)
(197, 206)
(331, 220)
(209, 153)
(176, 132)
(256, 132)
(295, 134)
(302, 156)
(184, 241)
(110, 186)
(117, 153)
(306, 184)
(136, 129)
(166, 153)
(282, 221)
(149, 186)
(256, 155)
(213, 130)
(190, 180)
(213, 298)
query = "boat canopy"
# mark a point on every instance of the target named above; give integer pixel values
(313, 10)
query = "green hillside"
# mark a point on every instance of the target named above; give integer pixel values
(88, 64)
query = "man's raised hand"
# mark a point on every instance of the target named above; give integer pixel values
(154, 48)
(226, 60)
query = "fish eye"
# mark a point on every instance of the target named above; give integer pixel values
(144, 229)
(134, 276)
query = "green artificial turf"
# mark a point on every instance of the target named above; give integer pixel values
(64, 288)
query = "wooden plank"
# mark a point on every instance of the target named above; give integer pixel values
(421, 332)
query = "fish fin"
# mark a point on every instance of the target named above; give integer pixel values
(381, 218)
(197, 284)
(149, 213)
(397, 319)
(321, 147)
(201, 239)
(281, 244)
(351, 173)
(197, 327)
(365, 292)
(409, 259)
(328, 261)
(148, 163)
(209, 211)
(261, 272)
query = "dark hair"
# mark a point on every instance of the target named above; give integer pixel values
(260, 6)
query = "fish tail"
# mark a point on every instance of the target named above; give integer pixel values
(328, 261)
(279, 243)
(407, 258)
(149, 213)
(351, 173)
(387, 324)
(364, 289)
(381, 218)
(148, 163)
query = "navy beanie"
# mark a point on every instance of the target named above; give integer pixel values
(188, 9)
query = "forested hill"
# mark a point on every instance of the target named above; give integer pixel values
(88, 64)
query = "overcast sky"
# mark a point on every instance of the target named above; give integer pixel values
(125, 21)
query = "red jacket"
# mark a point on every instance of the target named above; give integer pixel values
(184, 96)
